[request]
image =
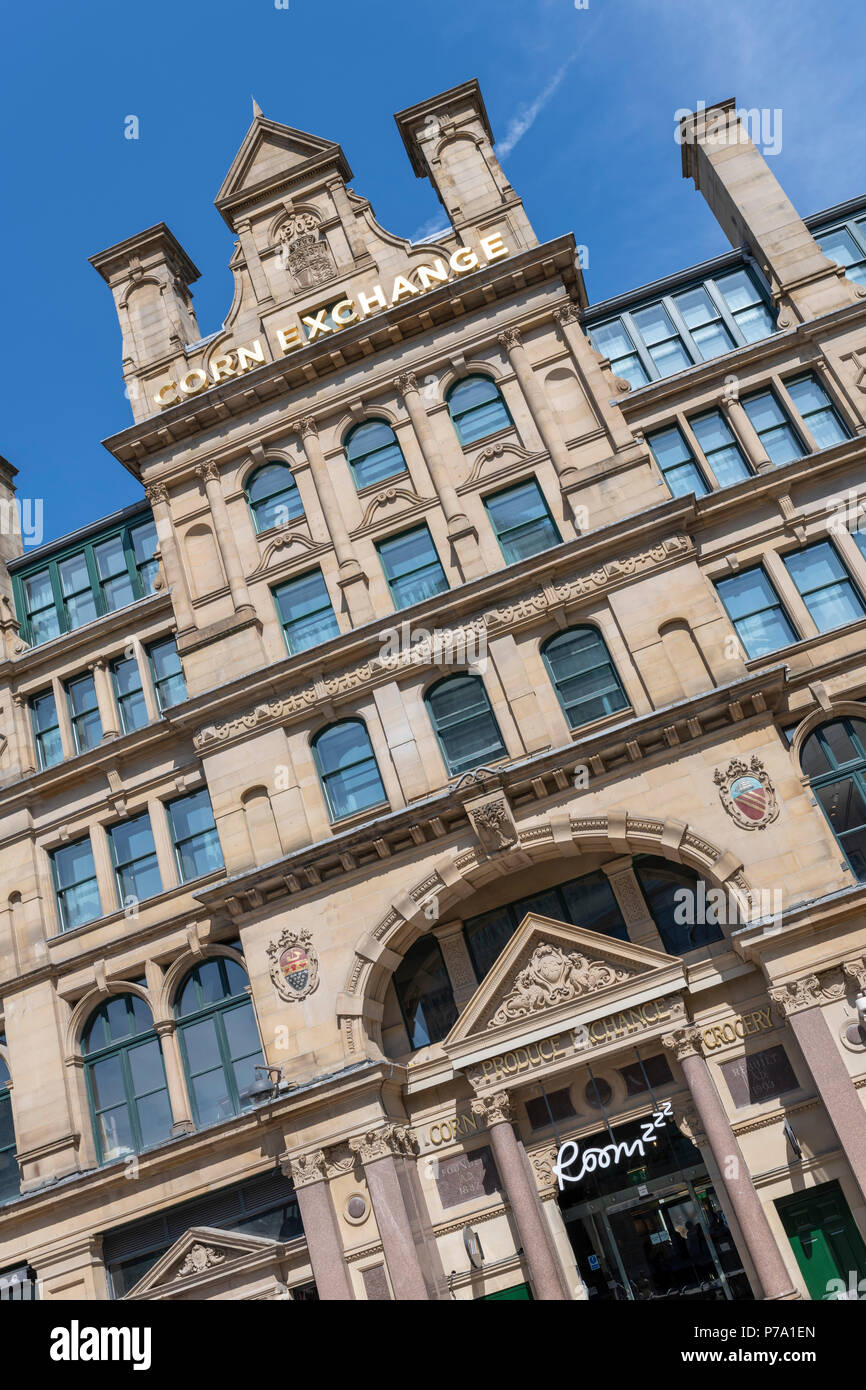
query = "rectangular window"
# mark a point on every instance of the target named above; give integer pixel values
(84, 713)
(661, 339)
(126, 676)
(167, 673)
(750, 313)
(546, 1110)
(703, 318)
(75, 884)
(306, 614)
(756, 611)
(825, 586)
(720, 448)
(673, 456)
(846, 245)
(773, 428)
(522, 521)
(817, 411)
(612, 341)
(412, 567)
(194, 834)
(133, 853)
(99, 577)
(646, 1074)
(46, 729)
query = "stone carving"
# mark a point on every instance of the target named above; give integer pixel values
(509, 338)
(389, 494)
(856, 970)
(568, 313)
(542, 1161)
(747, 794)
(551, 977)
(208, 472)
(391, 1139)
(683, 1042)
(493, 823)
(406, 382)
(304, 425)
(294, 965)
(809, 992)
(305, 252)
(309, 1167)
(492, 1109)
(199, 1258)
(156, 493)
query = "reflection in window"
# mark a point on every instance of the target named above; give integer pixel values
(373, 453)
(306, 615)
(521, 519)
(125, 1078)
(680, 905)
(464, 723)
(10, 1177)
(273, 496)
(834, 760)
(583, 675)
(824, 585)
(194, 834)
(424, 993)
(347, 769)
(75, 884)
(477, 409)
(412, 567)
(756, 611)
(219, 1039)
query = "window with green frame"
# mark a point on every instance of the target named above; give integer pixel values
(689, 325)
(75, 885)
(373, 453)
(133, 854)
(128, 692)
(46, 729)
(477, 409)
(97, 577)
(305, 611)
(411, 566)
(583, 675)
(521, 520)
(10, 1176)
(833, 757)
(167, 673)
(125, 1077)
(464, 723)
(347, 768)
(84, 713)
(219, 1039)
(273, 496)
(824, 585)
(194, 835)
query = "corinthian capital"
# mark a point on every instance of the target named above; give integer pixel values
(796, 995)
(567, 313)
(683, 1042)
(208, 472)
(406, 382)
(390, 1140)
(509, 338)
(308, 1167)
(305, 425)
(493, 1109)
(156, 493)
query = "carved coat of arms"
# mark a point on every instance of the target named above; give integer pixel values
(551, 976)
(304, 251)
(294, 965)
(747, 794)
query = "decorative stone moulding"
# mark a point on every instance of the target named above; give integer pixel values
(294, 965)
(747, 794)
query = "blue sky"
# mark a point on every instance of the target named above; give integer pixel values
(581, 102)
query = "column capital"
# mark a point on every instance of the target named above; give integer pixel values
(305, 426)
(567, 313)
(208, 472)
(156, 493)
(807, 992)
(306, 1168)
(856, 970)
(389, 1141)
(509, 338)
(684, 1042)
(493, 1109)
(406, 382)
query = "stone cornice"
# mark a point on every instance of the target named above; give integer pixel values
(808, 992)
(828, 915)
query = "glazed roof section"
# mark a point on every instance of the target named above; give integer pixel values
(80, 537)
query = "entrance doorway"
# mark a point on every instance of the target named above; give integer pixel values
(829, 1248)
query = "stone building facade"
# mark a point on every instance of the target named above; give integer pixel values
(433, 838)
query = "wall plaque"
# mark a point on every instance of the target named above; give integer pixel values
(758, 1077)
(376, 1284)
(466, 1176)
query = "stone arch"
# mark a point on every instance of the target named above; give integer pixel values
(476, 366)
(837, 709)
(180, 968)
(89, 1003)
(250, 465)
(455, 877)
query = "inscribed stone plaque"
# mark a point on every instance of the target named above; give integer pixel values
(376, 1284)
(758, 1077)
(466, 1176)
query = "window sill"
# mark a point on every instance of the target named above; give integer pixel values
(805, 644)
(118, 915)
(97, 627)
(359, 817)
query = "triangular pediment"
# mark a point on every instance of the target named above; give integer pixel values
(269, 155)
(549, 976)
(199, 1252)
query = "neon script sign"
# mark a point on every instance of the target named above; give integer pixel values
(611, 1153)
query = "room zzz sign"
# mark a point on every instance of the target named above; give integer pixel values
(610, 1154)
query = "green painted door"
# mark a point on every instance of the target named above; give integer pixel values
(517, 1291)
(826, 1242)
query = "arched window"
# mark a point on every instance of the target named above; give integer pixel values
(464, 723)
(219, 1039)
(686, 909)
(476, 406)
(347, 768)
(834, 760)
(424, 993)
(373, 453)
(10, 1178)
(273, 496)
(125, 1078)
(583, 675)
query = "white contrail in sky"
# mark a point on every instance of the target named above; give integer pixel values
(526, 116)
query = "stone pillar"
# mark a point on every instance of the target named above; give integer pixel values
(108, 716)
(495, 1111)
(458, 961)
(166, 1031)
(254, 264)
(743, 430)
(309, 1173)
(461, 533)
(640, 926)
(175, 578)
(210, 477)
(106, 881)
(412, 1278)
(596, 388)
(763, 1251)
(547, 427)
(801, 1002)
(25, 736)
(61, 703)
(352, 579)
(165, 856)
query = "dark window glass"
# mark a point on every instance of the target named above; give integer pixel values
(646, 1074)
(125, 1077)
(134, 855)
(129, 694)
(196, 842)
(305, 611)
(425, 994)
(373, 453)
(677, 899)
(583, 675)
(75, 884)
(84, 713)
(412, 567)
(219, 1039)
(674, 458)
(347, 769)
(522, 521)
(834, 759)
(464, 723)
(477, 408)
(46, 729)
(273, 496)
(756, 611)
(544, 1110)
(168, 678)
(10, 1176)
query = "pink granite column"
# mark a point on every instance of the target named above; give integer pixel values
(379, 1152)
(322, 1234)
(746, 1204)
(514, 1171)
(800, 1001)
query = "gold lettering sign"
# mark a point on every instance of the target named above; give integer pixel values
(237, 360)
(739, 1026)
(446, 1131)
(612, 1028)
